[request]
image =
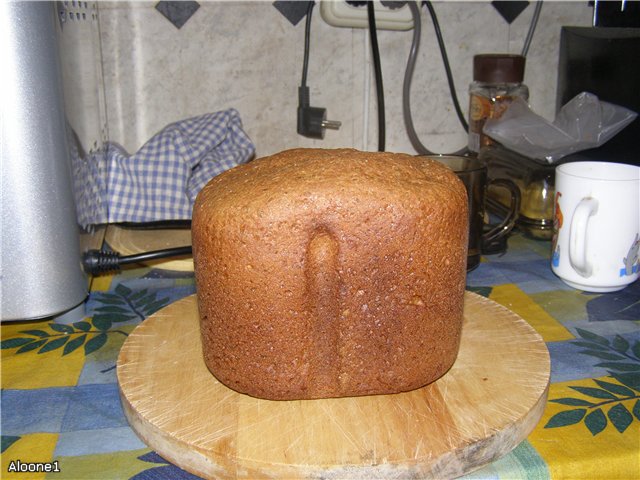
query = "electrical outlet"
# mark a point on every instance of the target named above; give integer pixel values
(340, 14)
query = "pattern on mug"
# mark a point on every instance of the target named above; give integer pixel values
(557, 225)
(631, 261)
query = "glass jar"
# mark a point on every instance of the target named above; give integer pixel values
(497, 80)
(536, 181)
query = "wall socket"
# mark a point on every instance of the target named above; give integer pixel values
(340, 14)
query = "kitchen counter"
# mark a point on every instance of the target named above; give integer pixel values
(61, 405)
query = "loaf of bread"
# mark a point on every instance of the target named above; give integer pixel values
(330, 273)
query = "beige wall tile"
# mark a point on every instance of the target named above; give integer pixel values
(246, 55)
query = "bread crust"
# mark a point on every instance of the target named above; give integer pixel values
(330, 273)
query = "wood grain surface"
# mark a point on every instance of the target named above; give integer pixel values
(488, 402)
(128, 241)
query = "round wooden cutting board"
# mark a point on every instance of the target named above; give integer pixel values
(488, 402)
(129, 241)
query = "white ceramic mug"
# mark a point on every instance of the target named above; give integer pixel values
(596, 225)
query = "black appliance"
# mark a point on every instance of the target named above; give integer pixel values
(604, 61)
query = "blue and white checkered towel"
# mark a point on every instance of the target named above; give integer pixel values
(161, 181)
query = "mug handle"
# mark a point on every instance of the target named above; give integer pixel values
(578, 235)
(499, 231)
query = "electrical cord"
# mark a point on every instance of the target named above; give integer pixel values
(303, 89)
(378, 75)
(307, 41)
(406, 88)
(447, 67)
(532, 28)
(98, 262)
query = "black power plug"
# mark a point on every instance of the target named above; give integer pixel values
(312, 121)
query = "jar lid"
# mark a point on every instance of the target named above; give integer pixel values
(498, 68)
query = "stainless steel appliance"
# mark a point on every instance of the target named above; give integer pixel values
(41, 273)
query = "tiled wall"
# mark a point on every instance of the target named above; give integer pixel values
(247, 55)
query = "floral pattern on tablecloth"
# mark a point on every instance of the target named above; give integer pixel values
(61, 405)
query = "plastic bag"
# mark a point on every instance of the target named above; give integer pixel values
(583, 122)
